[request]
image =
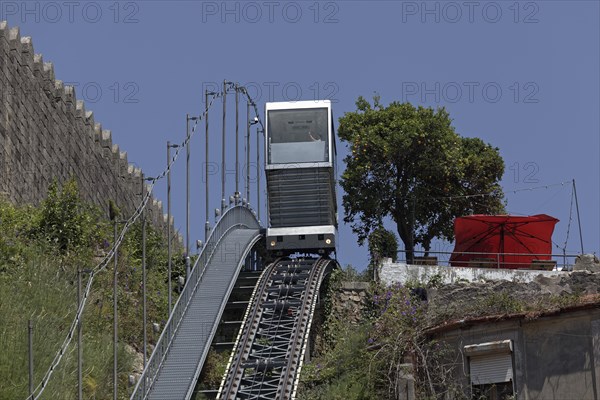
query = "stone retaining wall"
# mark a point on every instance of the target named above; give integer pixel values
(350, 301)
(46, 133)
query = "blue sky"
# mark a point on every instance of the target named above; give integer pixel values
(524, 76)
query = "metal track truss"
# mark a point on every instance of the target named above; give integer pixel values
(268, 355)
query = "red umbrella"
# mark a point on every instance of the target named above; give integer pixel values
(518, 239)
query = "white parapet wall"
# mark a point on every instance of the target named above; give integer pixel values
(390, 273)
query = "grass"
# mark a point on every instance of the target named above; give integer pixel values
(41, 293)
(46, 293)
(38, 282)
(342, 372)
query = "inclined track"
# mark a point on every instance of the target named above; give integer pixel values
(268, 354)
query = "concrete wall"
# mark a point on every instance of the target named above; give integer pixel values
(554, 357)
(390, 273)
(46, 133)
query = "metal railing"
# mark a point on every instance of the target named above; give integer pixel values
(493, 260)
(234, 217)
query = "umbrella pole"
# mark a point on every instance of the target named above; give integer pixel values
(501, 245)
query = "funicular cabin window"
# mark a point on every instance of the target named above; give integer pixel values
(298, 136)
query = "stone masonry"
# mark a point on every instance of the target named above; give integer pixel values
(350, 301)
(46, 133)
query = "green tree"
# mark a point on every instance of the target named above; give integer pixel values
(382, 244)
(408, 163)
(66, 221)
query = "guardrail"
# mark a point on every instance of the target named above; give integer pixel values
(234, 217)
(494, 260)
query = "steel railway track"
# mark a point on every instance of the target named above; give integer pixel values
(267, 358)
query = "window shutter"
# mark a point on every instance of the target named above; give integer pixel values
(491, 368)
(490, 362)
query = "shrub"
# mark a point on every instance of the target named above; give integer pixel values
(39, 249)
(382, 244)
(67, 222)
(16, 227)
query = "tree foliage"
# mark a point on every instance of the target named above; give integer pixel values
(382, 244)
(66, 221)
(407, 163)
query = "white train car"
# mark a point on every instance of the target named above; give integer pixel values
(300, 171)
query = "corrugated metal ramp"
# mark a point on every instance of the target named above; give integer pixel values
(187, 352)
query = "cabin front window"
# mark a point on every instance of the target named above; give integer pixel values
(298, 136)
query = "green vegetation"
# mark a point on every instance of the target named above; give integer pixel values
(382, 244)
(405, 164)
(392, 345)
(339, 370)
(502, 302)
(369, 361)
(62, 225)
(69, 225)
(212, 371)
(341, 373)
(41, 250)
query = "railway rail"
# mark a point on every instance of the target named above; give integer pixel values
(269, 351)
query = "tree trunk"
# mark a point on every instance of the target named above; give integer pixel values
(406, 236)
(410, 255)
(427, 245)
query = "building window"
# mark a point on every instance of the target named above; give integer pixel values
(491, 370)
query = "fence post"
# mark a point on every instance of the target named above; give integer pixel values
(115, 313)
(144, 272)
(30, 335)
(79, 341)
